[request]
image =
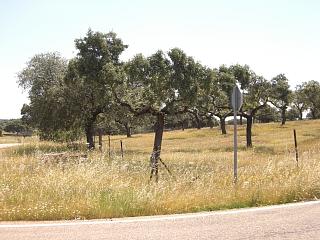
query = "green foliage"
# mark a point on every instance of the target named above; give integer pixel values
(310, 95)
(256, 94)
(268, 114)
(88, 87)
(15, 127)
(243, 75)
(280, 94)
(43, 79)
(214, 95)
(97, 90)
(299, 100)
(293, 114)
(280, 91)
(159, 83)
(221, 91)
(61, 135)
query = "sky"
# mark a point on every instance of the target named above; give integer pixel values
(271, 36)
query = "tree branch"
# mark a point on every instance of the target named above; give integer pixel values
(254, 111)
(136, 112)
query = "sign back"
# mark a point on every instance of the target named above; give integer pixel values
(236, 99)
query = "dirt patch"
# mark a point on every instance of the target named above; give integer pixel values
(7, 145)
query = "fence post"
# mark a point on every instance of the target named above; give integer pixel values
(100, 140)
(109, 146)
(121, 149)
(296, 145)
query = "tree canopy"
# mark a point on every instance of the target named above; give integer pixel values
(280, 95)
(89, 89)
(96, 89)
(43, 78)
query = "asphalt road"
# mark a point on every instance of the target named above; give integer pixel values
(290, 221)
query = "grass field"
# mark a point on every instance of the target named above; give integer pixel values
(35, 187)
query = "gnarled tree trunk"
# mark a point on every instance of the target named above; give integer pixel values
(313, 113)
(210, 122)
(128, 129)
(283, 115)
(155, 156)
(300, 114)
(89, 129)
(223, 125)
(90, 135)
(249, 131)
(198, 122)
(241, 116)
(182, 126)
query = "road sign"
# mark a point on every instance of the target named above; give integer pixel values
(236, 99)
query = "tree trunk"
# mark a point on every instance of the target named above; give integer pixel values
(90, 135)
(223, 125)
(128, 130)
(182, 126)
(313, 113)
(196, 116)
(283, 116)
(249, 131)
(100, 139)
(155, 156)
(300, 114)
(210, 122)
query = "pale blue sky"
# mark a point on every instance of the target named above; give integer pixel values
(271, 36)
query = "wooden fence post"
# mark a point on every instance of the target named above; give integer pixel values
(109, 146)
(100, 140)
(121, 149)
(296, 145)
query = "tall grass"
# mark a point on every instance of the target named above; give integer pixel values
(201, 163)
(16, 139)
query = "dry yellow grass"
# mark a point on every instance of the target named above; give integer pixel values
(201, 162)
(16, 139)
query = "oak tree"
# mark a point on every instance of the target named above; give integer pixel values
(90, 89)
(162, 84)
(280, 95)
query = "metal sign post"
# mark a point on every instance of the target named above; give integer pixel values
(236, 101)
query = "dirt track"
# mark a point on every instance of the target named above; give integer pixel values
(6, 145)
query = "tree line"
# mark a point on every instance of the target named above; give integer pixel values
(96, 89)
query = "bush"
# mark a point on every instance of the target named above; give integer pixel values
(61, 136)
